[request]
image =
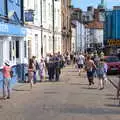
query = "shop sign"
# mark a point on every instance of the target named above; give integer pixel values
(12, 30)
(29, 17)
(113, 42)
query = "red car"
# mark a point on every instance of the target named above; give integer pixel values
(113, 63)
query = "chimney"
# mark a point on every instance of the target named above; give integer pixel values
(96, 15)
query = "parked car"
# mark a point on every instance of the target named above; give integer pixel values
(113, 63)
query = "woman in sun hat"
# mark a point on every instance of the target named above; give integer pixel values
(6, 79)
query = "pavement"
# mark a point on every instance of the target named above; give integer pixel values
(68, 99)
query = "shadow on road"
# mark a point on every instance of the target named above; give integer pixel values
(1, 98)
(112, 105)
(109, 95)
(77, 84)
(21, 89)
(90, 88)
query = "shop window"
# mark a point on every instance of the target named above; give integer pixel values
(25, 49)
(17, 49)
(10, 50)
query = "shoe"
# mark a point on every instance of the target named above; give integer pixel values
(8, 97)
(101, 88)
(92, 82)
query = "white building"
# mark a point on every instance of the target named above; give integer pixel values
(40, 31)
(80, 36)
(73, 39)
(95, 30)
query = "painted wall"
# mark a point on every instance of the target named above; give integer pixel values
(112, 26)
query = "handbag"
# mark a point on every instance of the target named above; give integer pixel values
(11, 73)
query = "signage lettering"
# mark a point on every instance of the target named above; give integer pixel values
(3, 28)
(113, 42)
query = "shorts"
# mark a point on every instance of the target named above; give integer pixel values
(80, 66)
(90, 74)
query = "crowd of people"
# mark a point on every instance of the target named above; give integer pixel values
(51, 64)
(93, 64)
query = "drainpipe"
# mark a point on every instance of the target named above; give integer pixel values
(6, 8)
(41, 29)
(22, 12)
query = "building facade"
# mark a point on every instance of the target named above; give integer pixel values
(80, 36)
(66, 25)
(73, 40)
(112, 31)
(12, 35)
(46, 24)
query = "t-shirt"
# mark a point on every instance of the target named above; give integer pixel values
(81, 59)
(6, 71)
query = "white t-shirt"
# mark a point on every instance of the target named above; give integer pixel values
(81, 59)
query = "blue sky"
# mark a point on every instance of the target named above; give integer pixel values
(84, 3)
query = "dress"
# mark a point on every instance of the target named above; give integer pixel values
(42, 70)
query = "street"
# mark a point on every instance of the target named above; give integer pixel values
(68, 99)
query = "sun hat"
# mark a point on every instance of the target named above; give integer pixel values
(7, 62)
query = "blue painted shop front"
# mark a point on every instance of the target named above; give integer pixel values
(7, 29)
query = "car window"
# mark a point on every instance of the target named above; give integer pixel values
(112, 59)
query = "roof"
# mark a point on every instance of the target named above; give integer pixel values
(95, 25)
(76, 9)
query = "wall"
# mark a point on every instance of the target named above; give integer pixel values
(73, 39)
(112, 26)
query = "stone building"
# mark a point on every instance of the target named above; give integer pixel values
(66, 25)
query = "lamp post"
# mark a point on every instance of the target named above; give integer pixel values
(53, 36)
(53, 18)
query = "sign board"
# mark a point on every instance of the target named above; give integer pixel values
(113, 42)
(29, 17)
(12, 30)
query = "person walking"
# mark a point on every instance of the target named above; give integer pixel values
(31, 69)
(89, 67)
(80, 62)
(57, 60)
(42, 70)
(36, 65)
(51, 68)
(101, 72)
(6, 80)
